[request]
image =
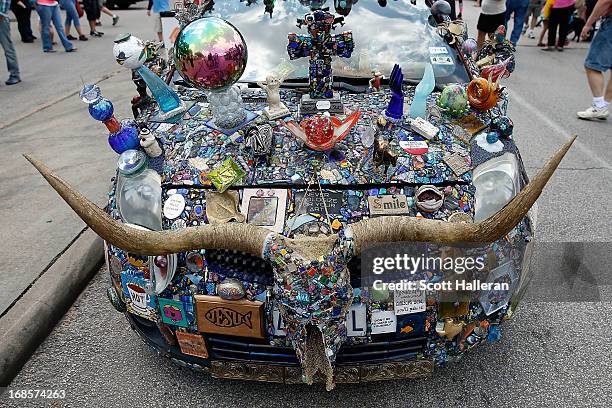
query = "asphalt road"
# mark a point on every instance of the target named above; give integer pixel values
(551, 354)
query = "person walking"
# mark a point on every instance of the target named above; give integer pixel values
(157, 6)
(105, 10)
(92, 10)
(534, 10)
(72, 17)
(598, 61)
(492, 15)
(49, 11)
(23, 10)
(545, 16)
(560, 15)
(7, 44)
(519, 9)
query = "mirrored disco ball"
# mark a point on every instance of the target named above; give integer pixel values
(210, 53)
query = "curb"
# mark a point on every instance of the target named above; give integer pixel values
(36, 313)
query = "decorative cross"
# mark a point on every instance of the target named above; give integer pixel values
(320, 45)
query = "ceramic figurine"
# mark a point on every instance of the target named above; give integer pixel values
(275, 109)
(149, 143)
(375, 82)
(384, 154)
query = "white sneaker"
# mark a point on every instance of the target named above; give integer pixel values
(593, 112)
(530, 34)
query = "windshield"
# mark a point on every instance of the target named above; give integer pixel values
(384, 35)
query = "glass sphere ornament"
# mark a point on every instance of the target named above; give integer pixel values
(210, 54)
(441, 7)
(101, 110)
(90, 93)
(129, 51)
(453, 100)
(227, 108)
(469, 46)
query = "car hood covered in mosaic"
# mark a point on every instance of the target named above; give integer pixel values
(238, 216)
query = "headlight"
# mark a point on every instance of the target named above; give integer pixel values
(497, 182)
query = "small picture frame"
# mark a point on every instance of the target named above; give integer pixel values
(265, 207)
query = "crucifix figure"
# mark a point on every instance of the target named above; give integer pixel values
(320, 46)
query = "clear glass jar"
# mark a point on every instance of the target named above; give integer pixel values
(138, 191)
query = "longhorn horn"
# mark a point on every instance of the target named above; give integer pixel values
(242, 237)
(397, 229)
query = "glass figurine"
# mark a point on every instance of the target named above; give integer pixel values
(131, 53)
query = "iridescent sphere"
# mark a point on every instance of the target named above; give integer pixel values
(469, 46)
(453, 100)
(210, 54)
(441, 7)
(101, 110)
(129, 51)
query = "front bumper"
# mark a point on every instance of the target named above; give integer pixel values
(248, 359)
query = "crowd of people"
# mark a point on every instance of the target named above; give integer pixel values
(557, 17)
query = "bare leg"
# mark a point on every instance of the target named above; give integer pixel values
(106, 11)
(67, 29)
(543, 33)
(160, 36)
(596, 83)
(534, 21)
(608, 95)
(481, 39)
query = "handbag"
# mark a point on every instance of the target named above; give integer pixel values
(79, 9)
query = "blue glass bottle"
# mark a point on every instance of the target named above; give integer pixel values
(418, 107)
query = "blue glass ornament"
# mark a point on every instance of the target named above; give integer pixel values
(166, 98)
(125, 139)
(395, 110)
(418, 107)
(492, 137)
(101, 110)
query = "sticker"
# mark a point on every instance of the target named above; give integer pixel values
(192, 344)
(314, 202)
(383, 322)
(174, 206)
(172, 312)
(412, 144)
(356, 323)
(438, 50)
(411, 325)
(279, 323)
(441, 60)
(388, 205)
(457, 163)
(408, 301)
(501, 282)
(323, 104)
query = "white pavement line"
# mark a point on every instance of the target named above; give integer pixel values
(559, 132)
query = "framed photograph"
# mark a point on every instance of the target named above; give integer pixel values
(265, 207)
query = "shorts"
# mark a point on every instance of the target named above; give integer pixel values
(488, 23)
(92, 9)
(157, 27)
(599, 57)
(534, 9)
